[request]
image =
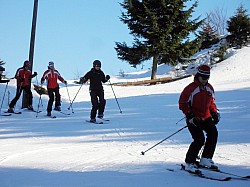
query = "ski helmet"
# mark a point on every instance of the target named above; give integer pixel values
(97, 63)
(26, 63)
(51, 63)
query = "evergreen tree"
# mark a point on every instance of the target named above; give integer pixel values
(1, 69)
(161, 31)
(208, 34)
(1, 62)
(239, 28)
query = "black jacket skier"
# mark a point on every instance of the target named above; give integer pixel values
(96, 78)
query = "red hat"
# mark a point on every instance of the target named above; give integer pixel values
(204, 70)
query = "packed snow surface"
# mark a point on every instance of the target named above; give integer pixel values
(67, 151)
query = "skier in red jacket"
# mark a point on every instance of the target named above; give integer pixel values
(197, 103)
(23, 76)
(51, 75)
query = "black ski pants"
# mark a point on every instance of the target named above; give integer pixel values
(199, 140)
(98, 103)
(52, 97)
(18, 94)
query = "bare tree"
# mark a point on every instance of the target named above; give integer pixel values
(77, 74)
(218, 20)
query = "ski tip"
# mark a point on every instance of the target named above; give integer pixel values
(13, 112)
(5, 114)
(170, 169)
(227, 179)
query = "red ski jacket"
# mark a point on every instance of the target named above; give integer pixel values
(198, 99)
(51, 76)
(23, 76)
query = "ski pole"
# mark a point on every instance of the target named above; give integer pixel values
(69, 100)
(4, 96)
(75, 97)
(180, 120)
(40, 100)
(38, 89)
(143, 152)
(115, 97)
(200, 153)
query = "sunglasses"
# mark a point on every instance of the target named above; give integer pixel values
(205, 77)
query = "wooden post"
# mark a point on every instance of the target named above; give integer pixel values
(32, 46)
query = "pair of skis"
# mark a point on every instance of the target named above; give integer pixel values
(10, 113)
(202, 175)
(98, 122)
(64, 113)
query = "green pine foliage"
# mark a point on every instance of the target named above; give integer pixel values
(161, 31)
(208, 34)
(1, 62)
(239, 28)
(2, 69)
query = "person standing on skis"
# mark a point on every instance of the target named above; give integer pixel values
(96, 77)
(51, 75)
(23, 76)
(197, 103)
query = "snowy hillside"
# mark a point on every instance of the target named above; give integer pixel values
(69, 152)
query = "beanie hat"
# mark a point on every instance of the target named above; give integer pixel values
(26, 63)
(51, 63)
(97, 63)
(203, 70)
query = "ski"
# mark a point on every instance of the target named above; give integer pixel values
(34, 111)
(235, 176)
(201, 175)
(5, 114)
(13, 112)
(51, 117)
(64, 113)
(97, 122)
(103, 119)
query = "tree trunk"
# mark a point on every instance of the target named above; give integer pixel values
(154, 67)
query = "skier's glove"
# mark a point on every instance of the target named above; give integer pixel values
(216, 117)
(35, 74)
(192, 119)
(107, 77)
(65, 82)
(82, 80)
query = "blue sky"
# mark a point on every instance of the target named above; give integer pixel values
(73, 33)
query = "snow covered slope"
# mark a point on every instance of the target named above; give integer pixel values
(68, 152)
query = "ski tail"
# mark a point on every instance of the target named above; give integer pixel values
(201, 175)
(235, 176)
